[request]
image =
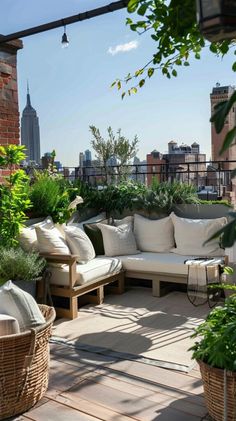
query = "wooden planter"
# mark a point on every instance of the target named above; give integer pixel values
(213, 383)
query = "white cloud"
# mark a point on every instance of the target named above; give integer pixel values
(123, 48)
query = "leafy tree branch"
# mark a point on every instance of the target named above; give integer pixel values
(174, 29)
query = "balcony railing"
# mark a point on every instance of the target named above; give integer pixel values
(211, 176)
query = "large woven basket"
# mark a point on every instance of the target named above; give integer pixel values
(24, 364)
(213, 383)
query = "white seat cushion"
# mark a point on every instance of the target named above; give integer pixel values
(96, 268)
(156, 262)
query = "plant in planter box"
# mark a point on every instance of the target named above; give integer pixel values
(51, 195)
(215, 351)
(21, 267)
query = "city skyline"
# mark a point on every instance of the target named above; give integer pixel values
(71, 87)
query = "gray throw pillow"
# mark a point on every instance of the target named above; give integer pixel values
(19, 304)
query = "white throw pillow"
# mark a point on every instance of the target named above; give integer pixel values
(154, 235)
(51, 241)
(19, 304)
(191, 234)
(28, 237)
(118, 241)
(79, 244)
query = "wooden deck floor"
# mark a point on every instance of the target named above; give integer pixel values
(90, 387)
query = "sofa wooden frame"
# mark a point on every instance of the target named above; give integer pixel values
(73, 291)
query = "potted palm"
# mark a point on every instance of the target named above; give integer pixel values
(21, 267)
(215, 352)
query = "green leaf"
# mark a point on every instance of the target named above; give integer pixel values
(119, 85)
(150, 71)
(228, 270)
(123, 95)
(174, 73)
(221, 111)
(141, 83)
(229, 138)
(213, 48)
(132, 5)
(113, 84)
(186, 63)
(142, 9)
(234, 67)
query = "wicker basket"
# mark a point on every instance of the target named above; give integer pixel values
(213, 383)
(24, 361)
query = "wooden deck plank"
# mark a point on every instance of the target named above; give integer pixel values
(135, 369)
(89, 387)
(93, 409)
(134, 402)
(52, 411)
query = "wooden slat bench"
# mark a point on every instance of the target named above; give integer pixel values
(73, 291)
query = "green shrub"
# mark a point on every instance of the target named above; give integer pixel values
(16, 264)
(217, 338)
(14, 195)
(51, 195)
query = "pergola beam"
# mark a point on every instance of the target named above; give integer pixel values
(112, 7)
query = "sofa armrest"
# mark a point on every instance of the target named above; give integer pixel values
(68, 259)
(59, 258)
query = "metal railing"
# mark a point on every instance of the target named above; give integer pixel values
(202, 174)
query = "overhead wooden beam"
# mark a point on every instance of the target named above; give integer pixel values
(112, 7)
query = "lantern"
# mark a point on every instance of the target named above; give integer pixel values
(217, 19)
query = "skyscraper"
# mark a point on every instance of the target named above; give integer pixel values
(30, 136)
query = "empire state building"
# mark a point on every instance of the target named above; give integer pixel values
(30, 136)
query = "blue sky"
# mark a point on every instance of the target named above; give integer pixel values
(70, 88)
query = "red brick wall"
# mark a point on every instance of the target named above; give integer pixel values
(9, 111)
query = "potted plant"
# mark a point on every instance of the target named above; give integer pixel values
(215, 352)
(21, 267)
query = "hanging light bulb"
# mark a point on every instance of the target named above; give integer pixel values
(64, 39)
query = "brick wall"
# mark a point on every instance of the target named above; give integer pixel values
(9, 111)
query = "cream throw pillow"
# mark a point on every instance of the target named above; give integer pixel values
(80, 244)
(118, 241)
(154, 235)
(190, 235)
(51, 241)
(28, 237)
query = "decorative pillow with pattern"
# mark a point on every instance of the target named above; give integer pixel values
(118, 241)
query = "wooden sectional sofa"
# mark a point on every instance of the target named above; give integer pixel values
(72, 281)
